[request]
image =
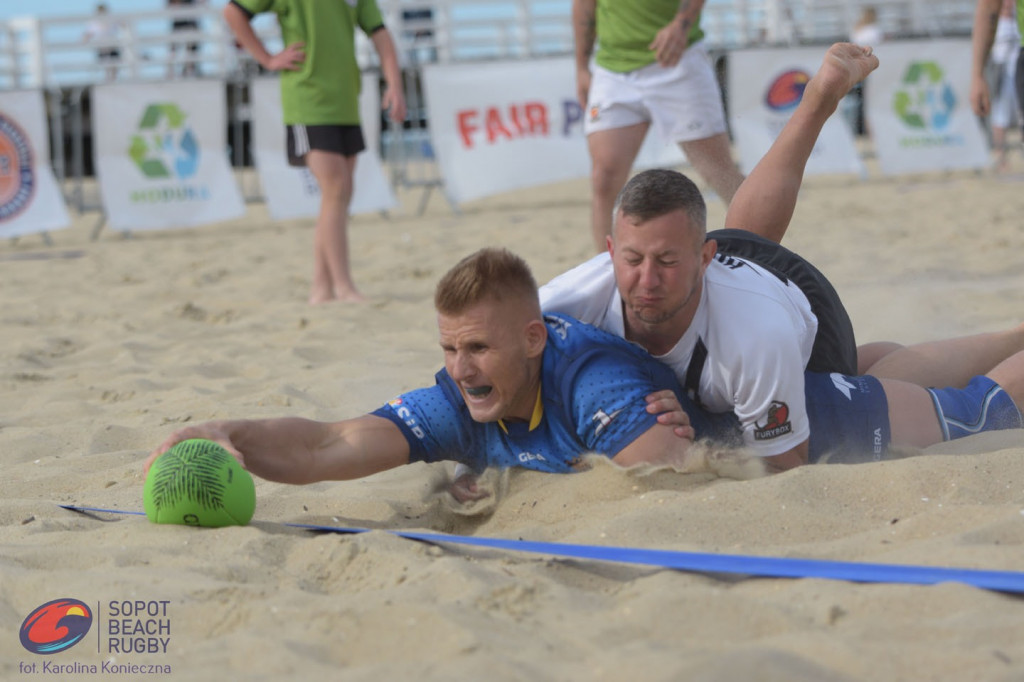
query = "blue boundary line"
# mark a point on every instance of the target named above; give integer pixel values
(744, 564)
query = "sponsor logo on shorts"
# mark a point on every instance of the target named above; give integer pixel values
(842, 384)
(594, 113)
(17, 174)
(778, 423)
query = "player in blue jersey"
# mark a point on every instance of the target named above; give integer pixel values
(517, 390)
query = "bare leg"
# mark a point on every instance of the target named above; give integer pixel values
(870, 353)
(950, 362)
(712, 159)
(1009, 374)
(999, 149)
(765, 202)
(331, 277)
(912, 419)
(612, 153)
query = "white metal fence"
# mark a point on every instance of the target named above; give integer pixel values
(52, 51)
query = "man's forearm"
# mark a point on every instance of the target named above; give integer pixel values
(688, 13)
(240, 27)
(983, 33)
(385, 47)
(584, 28)
(296, 450)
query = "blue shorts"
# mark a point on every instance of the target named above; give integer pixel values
(849, 418)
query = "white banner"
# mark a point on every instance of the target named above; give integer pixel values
(161, 155)
(508, 125)
(918, 110)
(765, 87)
(292, 192)
(30, 200)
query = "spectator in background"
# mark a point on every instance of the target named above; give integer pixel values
(650, 66)
(868, 33)
(983, 33)
(1003, 69)
(188, 51)
(105, 32)
(320, 83)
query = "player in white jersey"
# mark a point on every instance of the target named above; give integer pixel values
(750, 359)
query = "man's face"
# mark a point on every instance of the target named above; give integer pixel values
(492, 352)
(659, 269)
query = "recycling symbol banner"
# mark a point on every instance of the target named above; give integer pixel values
(918, 110)
(161, 155)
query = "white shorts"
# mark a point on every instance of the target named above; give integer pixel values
(683, 102)
(1004, 97)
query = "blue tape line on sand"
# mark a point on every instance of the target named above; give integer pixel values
(745, 564)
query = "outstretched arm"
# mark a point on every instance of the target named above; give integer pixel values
(299, 451)
(765, 202)
(983, 34)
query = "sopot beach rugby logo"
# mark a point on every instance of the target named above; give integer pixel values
(17, 174)
(55, 626)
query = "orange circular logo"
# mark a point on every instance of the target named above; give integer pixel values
(17, 174)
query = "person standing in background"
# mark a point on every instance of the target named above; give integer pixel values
(651, 66)
(1004, 98)
(105, 32)
(868, 33)
(320, 82)
(983, 33)
(189, 49)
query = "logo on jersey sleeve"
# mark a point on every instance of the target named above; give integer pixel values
(778, 423)
(603, 420)
(406, 415)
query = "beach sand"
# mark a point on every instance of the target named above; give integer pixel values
(111, 344)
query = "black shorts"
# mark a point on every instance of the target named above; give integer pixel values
(835, 347)
(346, 140)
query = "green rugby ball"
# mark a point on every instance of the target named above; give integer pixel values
(199, 483)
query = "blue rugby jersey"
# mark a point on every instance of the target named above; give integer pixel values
(593, 386)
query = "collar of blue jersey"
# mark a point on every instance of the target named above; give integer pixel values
(538, 414)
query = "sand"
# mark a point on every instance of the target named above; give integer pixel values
(108, 345)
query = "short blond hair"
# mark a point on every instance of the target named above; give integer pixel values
(490, 274)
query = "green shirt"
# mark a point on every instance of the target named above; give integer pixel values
(325, 90)
(625, 29)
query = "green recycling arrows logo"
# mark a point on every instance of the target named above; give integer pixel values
(926, 100)
(165, 146)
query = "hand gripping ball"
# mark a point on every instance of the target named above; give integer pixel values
(199, 483)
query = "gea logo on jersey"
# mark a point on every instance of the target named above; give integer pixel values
(405, 414)
(777, 424)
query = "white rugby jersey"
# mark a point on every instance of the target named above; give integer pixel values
(758, 332)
